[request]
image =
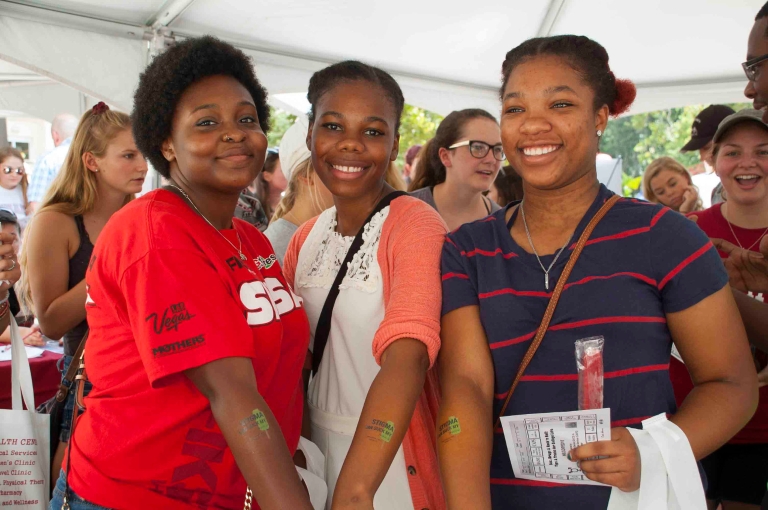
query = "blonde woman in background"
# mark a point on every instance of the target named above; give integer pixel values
(102, 171)
(305, 197)
(14, 184)
(668, 183)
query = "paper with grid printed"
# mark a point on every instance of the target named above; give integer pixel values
(538, 444)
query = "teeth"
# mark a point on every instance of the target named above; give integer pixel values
(348, 169)
(746, 177)
(539, 151)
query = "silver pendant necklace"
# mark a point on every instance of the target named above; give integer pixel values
(239, 250)
(530, 241)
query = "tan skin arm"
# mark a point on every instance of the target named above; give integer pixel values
(31, 336)
(49, 247)
(754, 313)
(466, 373)
(391, 398)
(8, 259)
(263, 457)
(711, 339)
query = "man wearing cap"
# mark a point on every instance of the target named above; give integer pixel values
(703, 130)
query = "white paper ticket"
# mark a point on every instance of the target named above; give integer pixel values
(538, 443)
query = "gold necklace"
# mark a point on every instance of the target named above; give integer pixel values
(240, 242)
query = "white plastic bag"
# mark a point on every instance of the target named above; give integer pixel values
(669, 476)
(25, 465)
(314, 475)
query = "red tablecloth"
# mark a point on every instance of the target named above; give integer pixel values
(45, 378)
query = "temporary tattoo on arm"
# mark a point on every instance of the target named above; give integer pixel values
(255, 419)
(379, 430)
(449, 429)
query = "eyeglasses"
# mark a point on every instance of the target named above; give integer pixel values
(8, 169)
(479, 149)
(751, 66)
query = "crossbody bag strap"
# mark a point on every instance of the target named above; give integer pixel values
(66, 383)
(554, 299)
(324, 322)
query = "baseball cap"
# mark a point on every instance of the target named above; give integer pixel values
(705, 125)
(746, 115)
(8, 216)
(293, 146)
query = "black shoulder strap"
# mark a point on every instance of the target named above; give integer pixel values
(324, 322)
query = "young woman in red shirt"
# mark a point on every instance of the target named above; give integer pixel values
(737, 473)
(197, 342)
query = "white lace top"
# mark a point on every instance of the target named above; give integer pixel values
(348, 367)
(327, 250)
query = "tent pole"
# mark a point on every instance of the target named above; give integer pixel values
(548, 23)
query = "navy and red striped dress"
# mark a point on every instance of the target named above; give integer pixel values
(642, 262)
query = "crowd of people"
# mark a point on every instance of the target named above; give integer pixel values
(264, 298)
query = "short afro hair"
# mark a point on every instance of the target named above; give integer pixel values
(164, 81)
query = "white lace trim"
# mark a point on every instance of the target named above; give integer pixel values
(329, 248)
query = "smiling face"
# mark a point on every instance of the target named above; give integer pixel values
(122, 167)
(11, 180)
(742, 163)
(549, 124)
(353, 138)
(757, 45)
(460, 165)
(668, 187)
(216, 141)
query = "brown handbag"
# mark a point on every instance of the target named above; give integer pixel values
(544, 326)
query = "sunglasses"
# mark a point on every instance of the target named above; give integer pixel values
(479, 149)
(751, 66)
(9, 169)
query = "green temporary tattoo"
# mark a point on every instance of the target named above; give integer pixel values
(449, 429)
(383, 431)
(255, 419)
(261, 421)
(386, 434)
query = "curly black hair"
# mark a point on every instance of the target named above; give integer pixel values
(164, 81)
(352, 70)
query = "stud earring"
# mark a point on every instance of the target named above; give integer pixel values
(599, 133)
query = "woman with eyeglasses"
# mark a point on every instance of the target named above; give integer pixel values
(102, 171)
(460, 164)
(13, 184)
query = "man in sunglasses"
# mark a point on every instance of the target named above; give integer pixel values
(755, 66)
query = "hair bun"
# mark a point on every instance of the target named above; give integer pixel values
(100, 107)
(626, 92)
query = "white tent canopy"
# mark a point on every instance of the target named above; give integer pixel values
(445, 54)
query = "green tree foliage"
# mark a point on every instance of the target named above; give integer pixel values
(639, 139)
(281, 121)
(416, 127)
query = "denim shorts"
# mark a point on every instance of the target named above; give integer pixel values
(69, 404)
(75, 501)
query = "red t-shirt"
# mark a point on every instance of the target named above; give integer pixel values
(167, 293)
(712, 222)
